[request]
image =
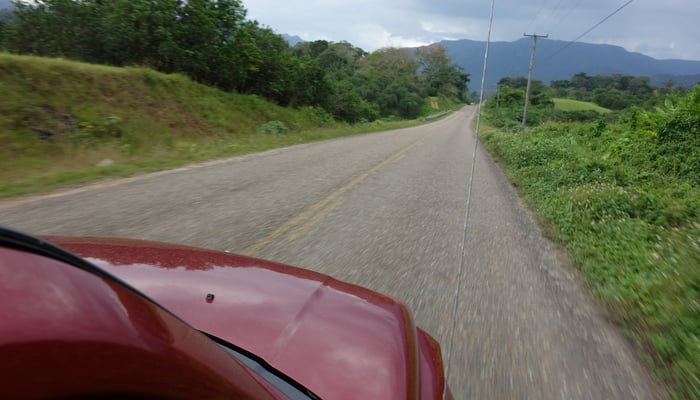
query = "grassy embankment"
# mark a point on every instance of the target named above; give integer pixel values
(624, 199)
(59, 119)
(576, 105)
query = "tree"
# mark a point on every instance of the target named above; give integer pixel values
(560, 88)
(346, 104)
(391, 76)
(141, 32)
(515, 82)
(391, 63)
(439, 75)
(308, 83)
(208, 40)
(581, 81)
(340, 58)
(311, 49)
(59, 28)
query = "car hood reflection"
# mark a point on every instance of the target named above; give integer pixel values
(340, 340)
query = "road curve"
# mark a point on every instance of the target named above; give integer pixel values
(387, 211)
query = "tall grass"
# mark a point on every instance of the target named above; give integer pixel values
(625, 200)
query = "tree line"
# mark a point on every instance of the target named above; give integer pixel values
(615, 92)
(213, 42)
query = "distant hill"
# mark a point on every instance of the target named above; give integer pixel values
(513, 59)
(5, 4)
(292, 40)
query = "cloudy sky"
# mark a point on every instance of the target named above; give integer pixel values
(661, 29)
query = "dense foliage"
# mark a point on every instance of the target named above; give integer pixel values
(212, 42)
(624, 197)
(615, 92)
(506, 107)
(386, 82)
(209, 40)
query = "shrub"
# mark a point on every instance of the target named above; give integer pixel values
(273, 128)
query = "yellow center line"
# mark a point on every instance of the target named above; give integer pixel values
(398, 158)
(313, 221)
(318, 206)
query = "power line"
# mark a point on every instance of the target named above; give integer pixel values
(553, 12)
(589, 30)
(537, 16)
(570, 10)
(565, 16)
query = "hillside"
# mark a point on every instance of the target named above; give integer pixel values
(65, 122)
(575, 105)
(513, 58)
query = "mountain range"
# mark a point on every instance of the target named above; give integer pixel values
(555, 60)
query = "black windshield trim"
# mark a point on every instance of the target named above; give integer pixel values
(287, 385)
(21, 241)
(15, 239)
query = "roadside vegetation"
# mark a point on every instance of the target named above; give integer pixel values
(621, 191)
(64, 122)
(170, 82)
(213, 43)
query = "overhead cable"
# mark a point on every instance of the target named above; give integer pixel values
(588, 31)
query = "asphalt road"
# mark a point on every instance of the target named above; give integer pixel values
(387, 211)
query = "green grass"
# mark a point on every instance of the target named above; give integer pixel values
(630, 219)
(59, 119)
(576, 105)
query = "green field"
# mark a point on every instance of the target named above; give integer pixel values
(59, 119)
(576, 105)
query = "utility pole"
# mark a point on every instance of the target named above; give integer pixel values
(529, 74)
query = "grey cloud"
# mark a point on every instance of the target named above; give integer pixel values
(661, 29)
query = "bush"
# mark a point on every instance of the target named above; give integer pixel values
(273, 128)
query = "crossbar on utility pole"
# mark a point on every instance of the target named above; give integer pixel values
(529, 74)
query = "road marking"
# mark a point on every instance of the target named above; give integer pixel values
(398, 158)
(308, 214)
(313, 221)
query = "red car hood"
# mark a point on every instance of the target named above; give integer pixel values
(340, 340)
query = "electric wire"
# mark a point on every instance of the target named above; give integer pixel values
(588, 31)
(550, 14)
(556, 8)
(537, 16)
(460, 271)
(564, 17)
(566, 14)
